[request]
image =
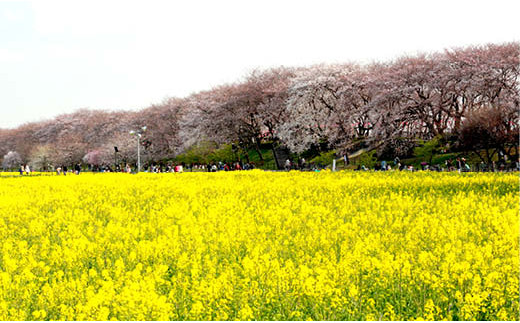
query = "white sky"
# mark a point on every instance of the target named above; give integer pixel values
(58, 56)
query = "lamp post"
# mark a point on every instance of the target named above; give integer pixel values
(138, 134)
(115, 158)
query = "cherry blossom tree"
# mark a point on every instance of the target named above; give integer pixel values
(312, 107)
(389, 106)
(272, 87)
(40, 158)
(491, 130)
(481, 76)
(11, 160)
(162, 137)
(226, 114)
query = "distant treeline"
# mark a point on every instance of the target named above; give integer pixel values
(469, 97)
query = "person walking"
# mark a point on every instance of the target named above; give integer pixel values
(459, 164)
(21, 170)
(287, 165)
(448, 165)
(464, 166)
(77, 168)
(27, 170)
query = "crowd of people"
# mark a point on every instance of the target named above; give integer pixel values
(459, 164)
(164, 167)
(64, 169)
(222, 166)
(24, 168)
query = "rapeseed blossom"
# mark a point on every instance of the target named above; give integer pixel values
(260, 245)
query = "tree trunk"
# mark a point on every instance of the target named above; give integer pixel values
(274, 155)
(247, 155)
(480, 156)
(257, 147)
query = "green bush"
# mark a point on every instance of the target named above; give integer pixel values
(324, 159)
(369, 159)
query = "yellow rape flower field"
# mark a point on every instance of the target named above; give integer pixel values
(260, 245)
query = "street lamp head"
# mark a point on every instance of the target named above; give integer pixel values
(144, 128)
(132, 132)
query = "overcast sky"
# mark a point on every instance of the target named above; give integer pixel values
(59, 56)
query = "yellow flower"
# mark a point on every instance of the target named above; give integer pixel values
(260, 246)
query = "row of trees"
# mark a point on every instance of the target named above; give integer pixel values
(469, 96)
